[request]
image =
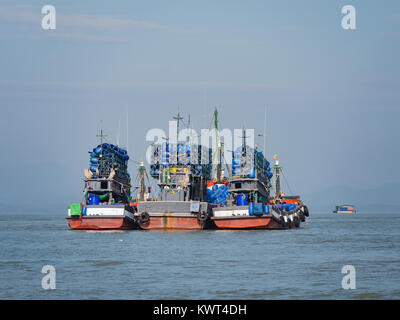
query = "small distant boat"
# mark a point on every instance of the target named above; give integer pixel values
(344, 208)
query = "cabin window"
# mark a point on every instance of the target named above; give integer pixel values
(104, 185)
(238, 185)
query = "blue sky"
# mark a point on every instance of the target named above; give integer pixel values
(332, 94)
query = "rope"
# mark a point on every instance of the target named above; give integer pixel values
(287, 183)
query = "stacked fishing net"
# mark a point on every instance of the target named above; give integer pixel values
(107, 157)
(218, 194)
(246, 161)
(167, 154)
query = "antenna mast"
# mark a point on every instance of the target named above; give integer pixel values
(127, 129)
(277, 168)
(265, 135)
(101, 135)
(218, 147)
(177, 118)
(142, 187)
(188, 138)
(244, 148)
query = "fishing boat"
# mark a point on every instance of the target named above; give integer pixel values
(181, 171)
(345, 208)
(247, 203)
(291, 210)
(105, 203)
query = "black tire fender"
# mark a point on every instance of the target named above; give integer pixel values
(282, 220)
(306, 212)
(202, 216)
(296, 222)
(276, 209)
(144, 217)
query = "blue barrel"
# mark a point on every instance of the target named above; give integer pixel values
(94, 199)
(165, 146)
(251, 209)
(252, 173)
(241, 200)
(165, 154)
(258, 208)
(266, 209)
(235, 161)
(165, 158)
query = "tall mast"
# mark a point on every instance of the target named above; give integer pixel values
(177, 118)
(218, 147)
(142, 186)
(265, 137)
(188, 138)
(277, 168)
(127, 129)
(101, 135)
(244, 143)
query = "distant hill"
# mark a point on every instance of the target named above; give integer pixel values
(383, 198)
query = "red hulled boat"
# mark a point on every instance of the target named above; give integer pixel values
(248, 205)
(181, 171)
(109, 217)
(106, 196)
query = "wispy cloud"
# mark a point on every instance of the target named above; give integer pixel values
(5, 85)
(76, 36)
(106, 23)
(26, 14)
(78, 26)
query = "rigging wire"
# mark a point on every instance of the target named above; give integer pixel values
(287, 183)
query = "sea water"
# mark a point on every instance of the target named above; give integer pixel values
(303, 263)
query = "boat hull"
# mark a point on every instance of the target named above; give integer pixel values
(248, 222)
(169, 221)
(101, 223)
(103, 217)
(173, 215)
(341, 211)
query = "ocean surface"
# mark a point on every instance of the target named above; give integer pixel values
(304, 263)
